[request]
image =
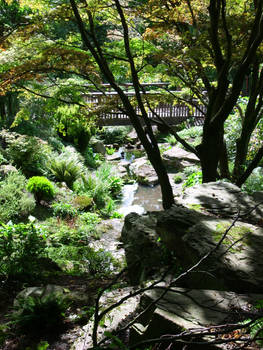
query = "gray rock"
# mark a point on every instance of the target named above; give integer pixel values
(39, 292)
(179, 158)
(138, 209)
(222, 198)
(6, 169)
(141, 246)
(97, 146)
(110, 233)
(144, 172)
(111, 321)
(235, 265)
(181, 309)
(113, 157)
(133, 137)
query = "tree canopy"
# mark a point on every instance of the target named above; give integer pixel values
(207, 49)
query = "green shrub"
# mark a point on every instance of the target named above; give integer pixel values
(20, 247)
(90, 219)
(64, 210)
(41, 187)
(66, 170)
(15, 201)
(83, 202)
(82, 259)
(193, 132)
(26, 152)
(40, 315)
(92, 160)
(193, 179)
(170, 139)
(116, 215)
(102, 187)
(191, 169)
(115, 134)
(2, 158)
(254, 182)
(115, 186)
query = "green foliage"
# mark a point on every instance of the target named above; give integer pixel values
(20, 247)
(233, 126)
(193, 179)
(2, 158)
(64, 210)
(26, 152)
(255, 328)
(41, 187)
(83, 202)
(82, 259)
(116, 215)
(116, 134)
(102, 187)
(40, 315)
(115, 186)
(74, 126)
(178, 178)
(90, 219)
(170, 139)
(110, 151)
(65, 169)
(193, 132)
(254, 182)
(92, 160)
(15, 201)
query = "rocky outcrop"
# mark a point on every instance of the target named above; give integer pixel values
(234, 265)
(224, 199)
(141, 247)
(178, 158)
(190, 310)
(143, 171)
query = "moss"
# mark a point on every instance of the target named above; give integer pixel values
(197, 207)
(236, 233)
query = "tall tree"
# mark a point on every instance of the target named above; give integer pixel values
(211, 46)
(206, 46)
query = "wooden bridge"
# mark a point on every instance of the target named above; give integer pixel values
(172, 114)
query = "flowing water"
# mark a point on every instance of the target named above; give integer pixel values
(136, 195)
(144, 196)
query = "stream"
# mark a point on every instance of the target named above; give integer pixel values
(137, 197)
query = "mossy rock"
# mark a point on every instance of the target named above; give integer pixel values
(83, 202)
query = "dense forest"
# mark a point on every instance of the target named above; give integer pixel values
(66, 64)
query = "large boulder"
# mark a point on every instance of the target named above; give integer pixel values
(190, 235)
(180, 310)
(233, 265)
(178, 158)
(144, 172)
(141, 247)
(224, 199)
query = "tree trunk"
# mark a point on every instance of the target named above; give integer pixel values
(166, 188)
(210, 151)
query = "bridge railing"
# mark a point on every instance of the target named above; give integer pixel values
(172, 114)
